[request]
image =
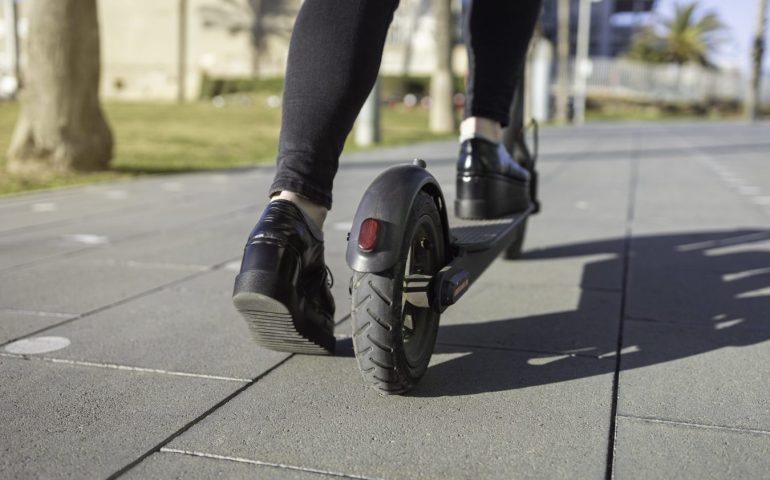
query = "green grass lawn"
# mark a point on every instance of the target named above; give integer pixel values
(156, 138)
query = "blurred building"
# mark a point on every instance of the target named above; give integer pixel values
(141, 44)
(142, 56)
(613, 24)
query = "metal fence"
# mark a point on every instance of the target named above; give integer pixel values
(615, 77)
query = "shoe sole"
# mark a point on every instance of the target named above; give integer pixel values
(273, 327)
(268, 302)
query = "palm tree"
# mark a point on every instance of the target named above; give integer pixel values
(687, 37)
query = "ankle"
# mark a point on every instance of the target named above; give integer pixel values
(314, 212)
(480, 127)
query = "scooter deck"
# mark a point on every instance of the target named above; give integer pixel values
(475, 235)
(474, 245)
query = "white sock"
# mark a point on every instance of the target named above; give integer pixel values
(316, 214)
(480, 127)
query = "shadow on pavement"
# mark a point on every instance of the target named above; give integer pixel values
(688, 293)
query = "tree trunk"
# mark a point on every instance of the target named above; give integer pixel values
(181, 61)
(562, 93)
(442, 117)
(61, 126)
(753, 100)
(255, 37)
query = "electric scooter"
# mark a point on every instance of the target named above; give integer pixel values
(410, 265)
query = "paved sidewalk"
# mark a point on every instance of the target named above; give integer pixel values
(632, 341)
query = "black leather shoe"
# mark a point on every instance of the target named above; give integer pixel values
(283, 289)
(490, 183)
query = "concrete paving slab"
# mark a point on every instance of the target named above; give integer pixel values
(201, 245)
(176, 465)
(563, 320)
(218, 284)
(14, 324)
(652, 450)
(67, 286)
(109, 232)
(497, 411)
(170, 330)
(27, 247)
(685, 196)
(62, 421)
(482, 414)
(707, 375)
(581, 264)
(701, 278)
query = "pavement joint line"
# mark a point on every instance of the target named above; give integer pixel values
(695, 425)
(160, 288)
(116, 366)
(347, 316)
(127, 238)
(199, 418)
(633, 186)
(249, 461)
(521, 350)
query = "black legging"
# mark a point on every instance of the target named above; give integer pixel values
(334, 57)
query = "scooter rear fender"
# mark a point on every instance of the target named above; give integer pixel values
(389, 200)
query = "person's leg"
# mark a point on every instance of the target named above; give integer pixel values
(489, 182)
(283, 288)
(334, 57)
(496, 35)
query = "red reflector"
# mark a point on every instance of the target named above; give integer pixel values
(367, 236)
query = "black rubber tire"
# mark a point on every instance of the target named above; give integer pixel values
(387, 361)
(516, 248)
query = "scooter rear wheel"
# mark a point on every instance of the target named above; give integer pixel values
(394, 339)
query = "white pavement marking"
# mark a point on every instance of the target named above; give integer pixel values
(116, 194)
(219, 179)
(764, 200)
(114, 366)
(625, 351)
(342, 226)
(731, 277)
(37, 345)
(233, 266)
(44, 207)
(172, 266)
(750, 237)
(264, 464)
(762, 292)
(727, 324)
(540, 361)
(87, 239)
(172, 186)
(748, 190)
(581, 205)
(39, 313)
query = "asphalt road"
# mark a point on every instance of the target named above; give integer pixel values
(631, 341)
